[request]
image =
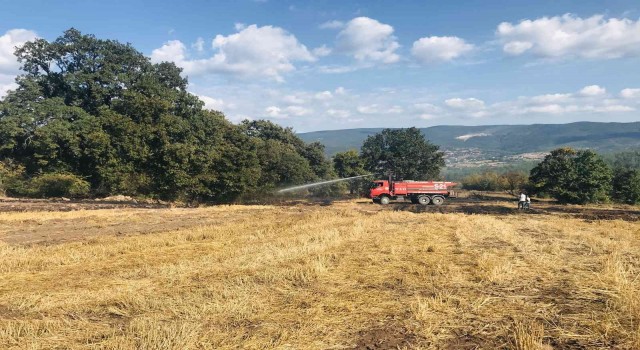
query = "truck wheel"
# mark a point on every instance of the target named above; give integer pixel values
(376, 200)
(424, 200)
(437, 200)
(384, 200)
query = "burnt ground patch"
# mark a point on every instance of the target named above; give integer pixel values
(388, 336)
(501, 208)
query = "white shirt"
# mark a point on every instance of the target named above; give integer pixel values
(523, 197)
(528, 199)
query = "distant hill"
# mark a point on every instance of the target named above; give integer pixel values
(502, 140)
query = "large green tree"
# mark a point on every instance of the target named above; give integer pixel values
(403, 153)
(101, 110)
(348, 164)
(626, 177)
(626, 186)
(572, 176)
(285, 159)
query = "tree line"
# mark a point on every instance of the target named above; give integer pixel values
(93, 117)
(571, 176)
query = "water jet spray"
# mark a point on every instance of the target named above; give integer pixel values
(302, 187)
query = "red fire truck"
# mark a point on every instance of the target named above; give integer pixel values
(419, 192)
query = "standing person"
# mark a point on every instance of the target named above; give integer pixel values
(528, 202)
(522, 200)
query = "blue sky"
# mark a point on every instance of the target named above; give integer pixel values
(346, 64)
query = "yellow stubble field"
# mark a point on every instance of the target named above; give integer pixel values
(349, 275)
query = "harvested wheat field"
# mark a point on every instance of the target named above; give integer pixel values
(350, 275)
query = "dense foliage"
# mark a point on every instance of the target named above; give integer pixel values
(511, 182)
(572, 176)
(348, 164)
(459, 173)
(626, 177)
(101, 111)
(403, 153)
(284, 158)
(626, 186)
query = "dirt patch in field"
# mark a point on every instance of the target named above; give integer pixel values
(385, 337)
(61, 227)
(20, 205)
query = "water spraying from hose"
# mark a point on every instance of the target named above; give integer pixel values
(302, 187)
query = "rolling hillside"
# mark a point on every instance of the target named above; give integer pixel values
(492, 141)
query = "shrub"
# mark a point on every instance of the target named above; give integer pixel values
(515, 182)
(487, 181)
(626, 186)
(58, 185)
(11, 179)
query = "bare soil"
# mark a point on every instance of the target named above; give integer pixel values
(390, 336)
(52, 226)
(24, 204)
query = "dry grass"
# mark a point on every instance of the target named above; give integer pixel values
(326, 277)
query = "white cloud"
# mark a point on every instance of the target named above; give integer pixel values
(338, 69)
(171, 51)
(558, 109)
(287, 112)
(551, 98)
(293, 99)
(324, 95)
(464, 103)
(9, 66)
(332, 25)
(340, 91)
(339, 113)
(395, 110)
(426, 107)
(368, 40)
(8, 43)
(4, 88)
(274, 112)
(252, 52)
(593, 90)
(198, 45)
(369, 109)
(595, 37)
(548, 109)
(630, 93)
(517, 47)
(212, 103)
(614, 108)
(321, 51)
(297, 111)
(439, 49)
(377, 109)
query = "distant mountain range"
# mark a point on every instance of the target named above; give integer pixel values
(499, 141)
